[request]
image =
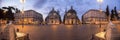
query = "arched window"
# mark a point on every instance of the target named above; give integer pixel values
(68, 14)
(54, 14)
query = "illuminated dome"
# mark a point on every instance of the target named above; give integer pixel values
(53, 17)
(71, 17)
(70, 14)
(53, 14)
(71, 10)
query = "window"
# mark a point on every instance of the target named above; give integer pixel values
(54, 14)
(68, 14)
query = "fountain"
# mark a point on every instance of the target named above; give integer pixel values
(109, 29)
(107, 34)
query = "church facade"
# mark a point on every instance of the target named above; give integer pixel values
(53, 17)
(71, 17)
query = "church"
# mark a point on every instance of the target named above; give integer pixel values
(53, 17)
(71, 17)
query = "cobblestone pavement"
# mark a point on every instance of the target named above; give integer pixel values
(59, 32)
(63, 32)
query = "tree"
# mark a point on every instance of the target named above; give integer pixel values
(107, 11)
(9, 14)
(115, 11)
(1, 14)
(112, 15)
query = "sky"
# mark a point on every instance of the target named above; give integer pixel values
(44, 6)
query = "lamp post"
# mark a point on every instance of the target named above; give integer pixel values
(22, 2)
(100, 4)
(100, 9)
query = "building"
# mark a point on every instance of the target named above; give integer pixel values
(28, 17)
(53, 17)
(119, 14)
(71, 17)
(8, 32)
(94, 16)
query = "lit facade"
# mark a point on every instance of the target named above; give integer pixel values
(3, 21)
(119, 14)
(53, 17)
(28, 17)
(94, 16)
(71, 17)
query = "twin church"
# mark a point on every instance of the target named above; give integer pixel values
(70, 17)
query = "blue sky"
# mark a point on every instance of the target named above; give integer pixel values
(44, 6)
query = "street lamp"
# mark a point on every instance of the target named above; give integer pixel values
(100, 1)
(100, 4)
(22, 2)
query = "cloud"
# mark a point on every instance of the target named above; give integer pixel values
(0, 2)
(39, 3)
(81, 6)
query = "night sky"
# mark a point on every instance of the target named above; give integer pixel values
(44, 6)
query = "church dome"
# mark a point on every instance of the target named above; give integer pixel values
(53, 11)
(71, 10)
(71, 17)
(53, 17)
(71, 13)
(53, 14)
